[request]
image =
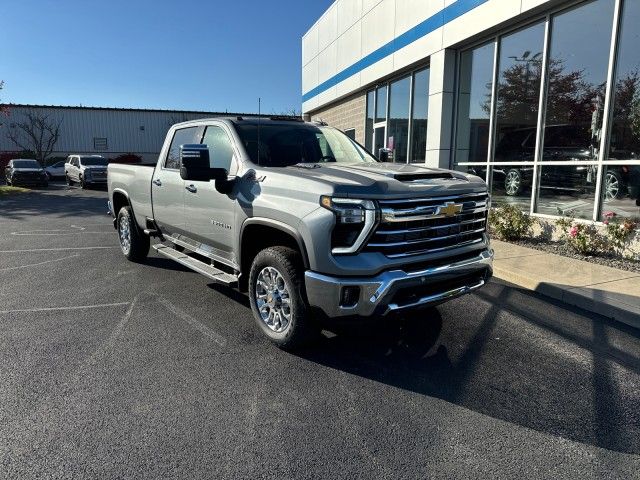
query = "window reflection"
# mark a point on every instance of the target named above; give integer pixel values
(567, 190)
(369, 122)
(474, 107)
(381, 104)
(578, 65)
(621, 189)
(518, 94)
(398, 126)
(512, 184)
(419, 120)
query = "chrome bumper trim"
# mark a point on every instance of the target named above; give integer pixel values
(376, 293)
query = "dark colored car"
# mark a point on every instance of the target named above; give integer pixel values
(25, 172)
(562, 143)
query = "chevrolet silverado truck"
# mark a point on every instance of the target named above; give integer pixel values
(305, 220)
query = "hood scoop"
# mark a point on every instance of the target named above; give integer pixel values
(417, 177)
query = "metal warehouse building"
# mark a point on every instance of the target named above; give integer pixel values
(540, 97)
(101, 131)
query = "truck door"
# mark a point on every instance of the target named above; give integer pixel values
(167, 187)
(210, 214)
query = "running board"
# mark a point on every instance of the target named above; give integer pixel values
(205, 269)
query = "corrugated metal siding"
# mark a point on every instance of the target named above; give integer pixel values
(121, 128)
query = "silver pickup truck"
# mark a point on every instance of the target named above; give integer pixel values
(305, 220)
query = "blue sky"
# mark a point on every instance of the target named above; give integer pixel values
(195, 55)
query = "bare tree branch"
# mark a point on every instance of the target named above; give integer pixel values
(38, 134)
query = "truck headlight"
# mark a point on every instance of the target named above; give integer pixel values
(355, 220)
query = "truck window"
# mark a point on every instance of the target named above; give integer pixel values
(220, 148)
(182, 136)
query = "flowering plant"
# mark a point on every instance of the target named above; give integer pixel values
(619, 231)
(585, 239)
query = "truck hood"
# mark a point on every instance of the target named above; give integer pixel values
(374, 179)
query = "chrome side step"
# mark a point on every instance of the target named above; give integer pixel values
(202, 268)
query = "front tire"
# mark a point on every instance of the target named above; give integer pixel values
(83, 184)
(133, 243)
(276, 293)
(69, 181)
(8, 182)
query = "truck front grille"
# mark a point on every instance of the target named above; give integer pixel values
(428, 225)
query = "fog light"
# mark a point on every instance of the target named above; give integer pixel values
(349, 296)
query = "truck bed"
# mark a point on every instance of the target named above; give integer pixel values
(135, 181)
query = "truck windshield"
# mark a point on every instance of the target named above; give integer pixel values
(282, 145)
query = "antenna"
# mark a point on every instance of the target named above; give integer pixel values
(259, 101)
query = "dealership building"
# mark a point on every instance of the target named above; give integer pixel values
(539, 97)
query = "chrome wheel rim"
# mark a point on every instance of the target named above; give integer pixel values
(612, 187)
(512, 183)
(273, 299)
(124, 232)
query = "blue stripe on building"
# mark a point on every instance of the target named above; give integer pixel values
(431, 24)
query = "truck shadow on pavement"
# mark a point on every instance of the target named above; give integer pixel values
(525, 360)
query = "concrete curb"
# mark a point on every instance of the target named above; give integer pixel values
(621, 306)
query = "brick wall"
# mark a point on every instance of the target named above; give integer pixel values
(346, 114)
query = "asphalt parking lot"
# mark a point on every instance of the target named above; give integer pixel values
(124, 370)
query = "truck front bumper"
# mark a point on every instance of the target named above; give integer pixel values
(397, 290)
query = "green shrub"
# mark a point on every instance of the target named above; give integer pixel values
(508, 222)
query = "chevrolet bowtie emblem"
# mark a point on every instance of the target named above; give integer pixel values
(449, 209)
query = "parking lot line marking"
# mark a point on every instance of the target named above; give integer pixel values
(56, 249)
(74, 307)
(216, 337)
(37, 264)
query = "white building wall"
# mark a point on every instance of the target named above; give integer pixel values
(350, 30)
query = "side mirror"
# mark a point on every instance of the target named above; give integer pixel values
(384, 154)
(194, 164)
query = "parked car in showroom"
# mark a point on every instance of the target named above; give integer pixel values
(562, 143)
(25, 172)
(56, 170)
(86, 170)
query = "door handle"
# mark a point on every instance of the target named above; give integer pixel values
(157, 182)
(191, 188)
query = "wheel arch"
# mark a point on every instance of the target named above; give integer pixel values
(260, 233)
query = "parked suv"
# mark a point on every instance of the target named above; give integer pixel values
(25, 172)
(86, 170)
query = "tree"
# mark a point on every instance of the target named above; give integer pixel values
(3, 108)
(38, 133)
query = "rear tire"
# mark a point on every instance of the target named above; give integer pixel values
(133, 243)
(83, 184)
(276, 293)
(8, 182)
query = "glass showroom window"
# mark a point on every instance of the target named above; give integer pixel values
(519, 81)
(368, 129)
(621, 180)
(402, 127)
(474, 104)
(577, 77)
(418, 146)
(398, 124)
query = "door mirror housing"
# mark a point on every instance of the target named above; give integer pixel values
(195, 166)
(384, 155)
